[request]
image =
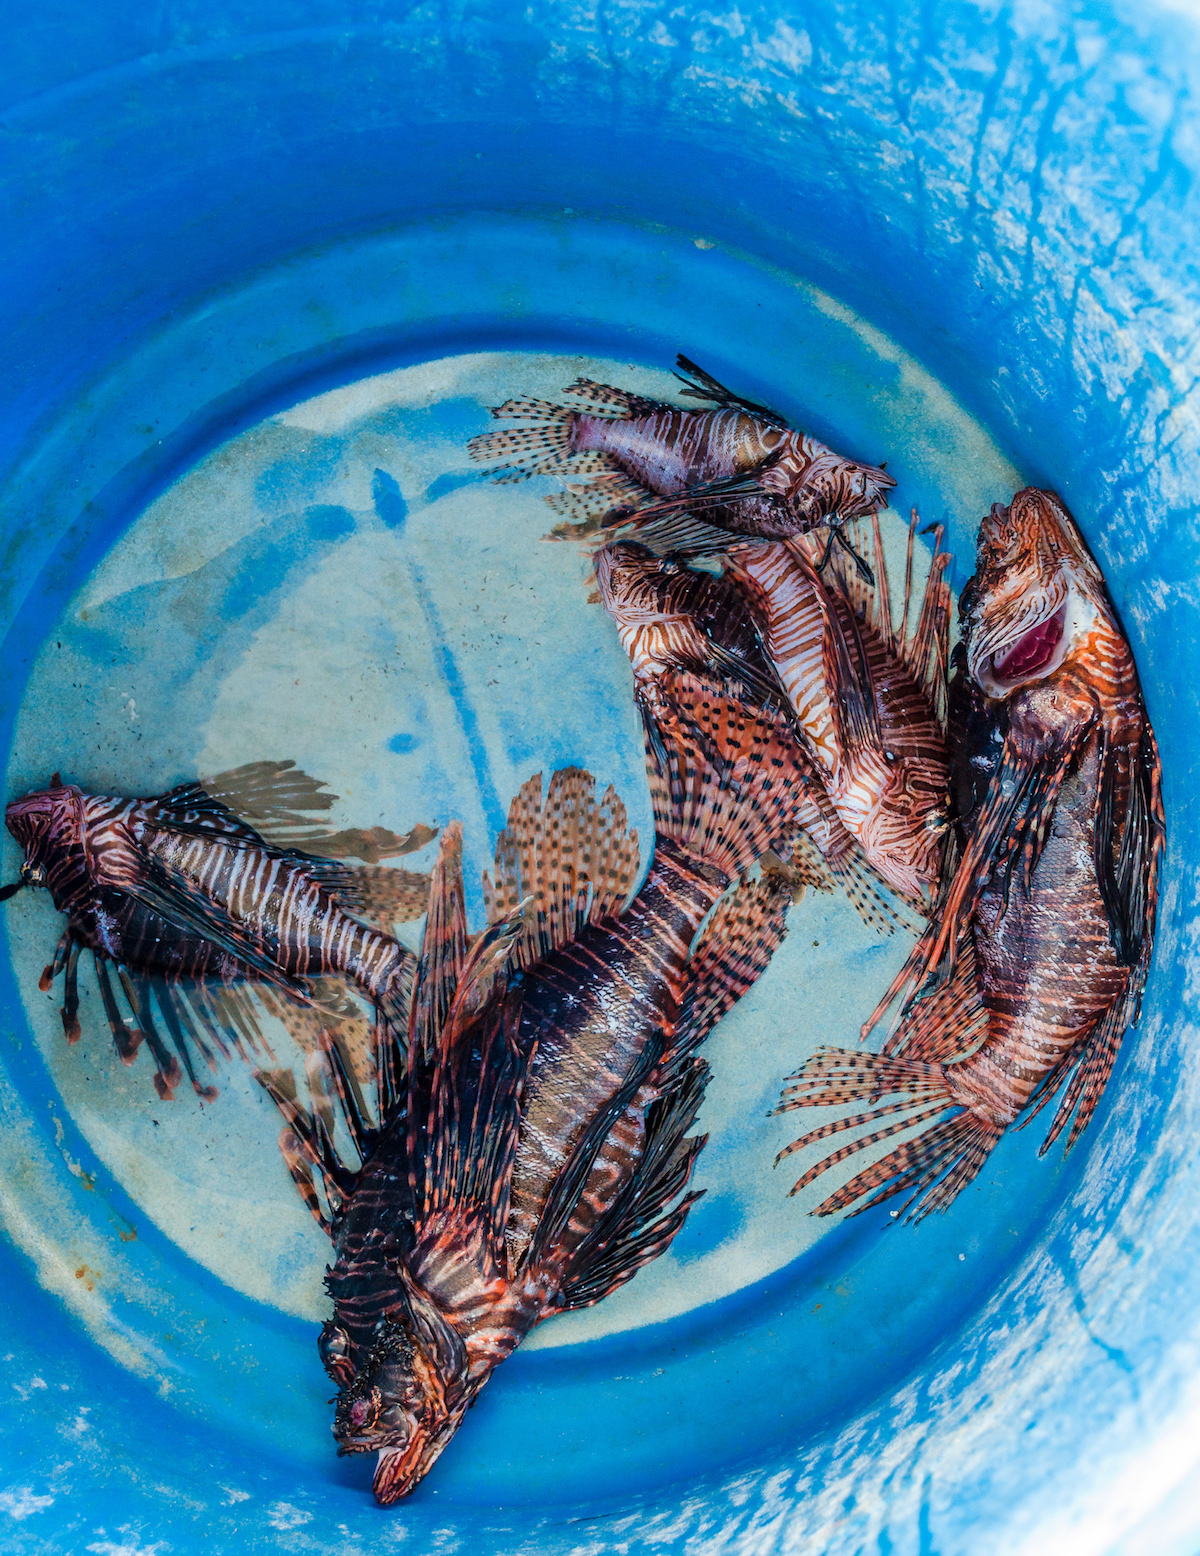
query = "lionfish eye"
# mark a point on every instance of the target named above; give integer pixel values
(333, 1347)
(34, 874)
(890, 758)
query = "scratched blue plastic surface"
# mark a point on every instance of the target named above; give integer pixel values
(212, 211)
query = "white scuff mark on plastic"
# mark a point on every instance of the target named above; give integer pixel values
(282, 1515)
(19, 1502)
(24, 1390)
(130, 1545)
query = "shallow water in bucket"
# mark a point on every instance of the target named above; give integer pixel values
(338, 584)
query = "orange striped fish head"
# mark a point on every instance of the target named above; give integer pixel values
(48, 827)
(403, 1394)
(903, 822)
(634, 583)
(1036, 595)
(821, 486)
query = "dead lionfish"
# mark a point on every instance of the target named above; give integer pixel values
(740, 467)
(670, 619)
(869, 698)
(1034, 964)
(531, 1160)
(186, 899)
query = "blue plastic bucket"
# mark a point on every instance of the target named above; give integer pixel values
(959, 237)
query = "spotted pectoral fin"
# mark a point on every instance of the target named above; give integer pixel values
(574, 856)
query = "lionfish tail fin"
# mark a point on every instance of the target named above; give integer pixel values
(541, 448)
(723, 779)
(933, 1166)
(642, 1220)
(573, 855)
(735, 948)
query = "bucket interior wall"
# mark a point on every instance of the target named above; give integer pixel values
(975, 219)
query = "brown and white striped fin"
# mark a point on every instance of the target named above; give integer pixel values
(647, 1214)
(949, 1024)
(443, 948)
(922, 646)
(608, 400)
(735, 948)
(723, 779)
(933, 1166)
(572, 856)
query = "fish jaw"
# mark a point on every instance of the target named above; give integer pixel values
(1036, 595)
(399, 1471)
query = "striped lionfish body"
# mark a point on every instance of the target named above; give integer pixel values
(185, 900)
(1034, 964)
(671, 620)
(738, 467)
(868, 699)
(533, 1160)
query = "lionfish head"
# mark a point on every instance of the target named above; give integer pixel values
(837, 489)
(41, 822)
(904, 827)
(1035, 595)
(626, 573)
(402, 1395)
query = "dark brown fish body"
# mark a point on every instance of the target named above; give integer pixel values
(534, 1159)
(1040, 945)
(178, 891)
(738, 467)
(589, 1011)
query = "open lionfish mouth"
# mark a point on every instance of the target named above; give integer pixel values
(1033, 650)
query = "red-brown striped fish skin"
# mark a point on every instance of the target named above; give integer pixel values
(670, 620)
(1051, 910)
(870, 727)
(540, 1154)
(277, 919)
(747, 470)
